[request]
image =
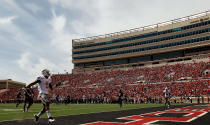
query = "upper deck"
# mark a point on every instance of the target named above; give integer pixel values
(195, 18)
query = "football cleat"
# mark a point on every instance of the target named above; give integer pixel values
(36, 118)
(51, 119)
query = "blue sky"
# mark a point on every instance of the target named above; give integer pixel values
(37, 34)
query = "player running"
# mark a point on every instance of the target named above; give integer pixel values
(44, 83)
(28, 98)
(166, 93)
(18, 98)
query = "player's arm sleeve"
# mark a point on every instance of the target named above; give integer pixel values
(35, 82)
(50, 86)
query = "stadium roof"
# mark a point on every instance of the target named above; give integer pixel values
(145, 27)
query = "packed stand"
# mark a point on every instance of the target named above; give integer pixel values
(140, 85)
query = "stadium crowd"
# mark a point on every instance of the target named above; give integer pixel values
(139, 85)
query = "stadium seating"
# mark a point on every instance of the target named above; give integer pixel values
(140, 85)
(184, 80)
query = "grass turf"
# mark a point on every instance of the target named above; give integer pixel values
(10, 112)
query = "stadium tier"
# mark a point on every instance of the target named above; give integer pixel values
(184, 79)
(8, 84)
(143, 83)
(170, 41)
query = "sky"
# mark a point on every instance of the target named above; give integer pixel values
(37, 34)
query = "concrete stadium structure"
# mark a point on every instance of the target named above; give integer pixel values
(182, 39)
(10, 84)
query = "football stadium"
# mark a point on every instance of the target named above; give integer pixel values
(156, 74)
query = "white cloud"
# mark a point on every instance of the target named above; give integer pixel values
(33, 65)
(60, 38)
(102, 16)
(61, 41)
(7, 20)
(99, 17)
(24, 61)
(14, 33)
(58, 22)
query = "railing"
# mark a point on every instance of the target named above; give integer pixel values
(145, 27)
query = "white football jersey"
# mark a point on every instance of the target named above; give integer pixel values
(43, 86)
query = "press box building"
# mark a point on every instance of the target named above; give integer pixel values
(170, 41)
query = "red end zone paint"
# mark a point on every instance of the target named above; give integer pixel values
(192, 113)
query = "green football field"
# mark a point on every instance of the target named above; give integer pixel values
(10, 112)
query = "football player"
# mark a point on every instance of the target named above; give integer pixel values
(18, 98)
(28, 98)
(166, 93)
(44, 84)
